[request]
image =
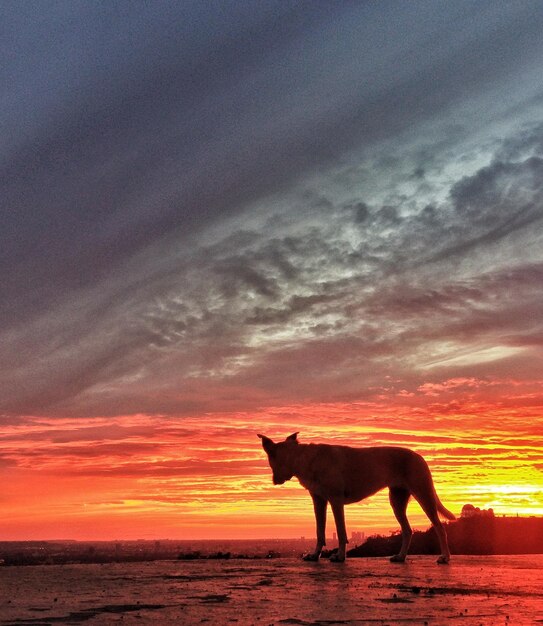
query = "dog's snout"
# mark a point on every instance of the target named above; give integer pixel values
(279, 479)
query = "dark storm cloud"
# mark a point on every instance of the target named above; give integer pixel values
(499, 200)
(135, 142)
(135, 277)
(528, 140)
(503, 303)
(128, 122)
(292, 308)
(205, 342)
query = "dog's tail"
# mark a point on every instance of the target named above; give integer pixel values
(442, 510)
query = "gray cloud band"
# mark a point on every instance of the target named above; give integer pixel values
(116, 297)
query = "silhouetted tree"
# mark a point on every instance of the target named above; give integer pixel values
(477, 532)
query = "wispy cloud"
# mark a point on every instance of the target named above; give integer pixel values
(326, 294)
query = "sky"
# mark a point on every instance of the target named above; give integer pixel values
(222, 218)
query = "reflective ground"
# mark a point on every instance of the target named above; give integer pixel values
(471, 590)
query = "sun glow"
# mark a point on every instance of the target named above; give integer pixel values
(207, 476)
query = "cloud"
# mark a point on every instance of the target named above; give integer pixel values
(294, 211)
(320, 308)
(494, 203)
(127, 145)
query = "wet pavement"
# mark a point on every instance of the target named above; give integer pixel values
(471, 590)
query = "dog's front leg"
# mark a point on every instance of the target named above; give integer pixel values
(319, 506)
(339, 517)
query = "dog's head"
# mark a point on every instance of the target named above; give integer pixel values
(281, 457)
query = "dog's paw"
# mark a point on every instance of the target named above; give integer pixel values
(443, 560)
(397, 558)
(335, 558)
(312, 556)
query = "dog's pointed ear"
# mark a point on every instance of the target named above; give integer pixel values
(293, 437)
(267, 444)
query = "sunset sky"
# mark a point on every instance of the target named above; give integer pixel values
(225, 217)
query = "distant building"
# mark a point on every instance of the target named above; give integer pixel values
(468, 510)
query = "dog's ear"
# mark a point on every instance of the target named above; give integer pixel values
(293, 437)
(267, 444)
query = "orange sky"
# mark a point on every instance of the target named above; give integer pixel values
(207, 476)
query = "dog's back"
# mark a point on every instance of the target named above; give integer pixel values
(356, 473)
(341, 475)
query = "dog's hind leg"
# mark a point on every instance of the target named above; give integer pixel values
(339, 518)
(428, 503)
(399, 498)
(319, 506)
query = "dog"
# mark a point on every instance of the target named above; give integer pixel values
(341, 475)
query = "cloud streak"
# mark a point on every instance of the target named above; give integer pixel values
(320, 294)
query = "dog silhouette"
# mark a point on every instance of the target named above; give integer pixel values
(341, 475)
